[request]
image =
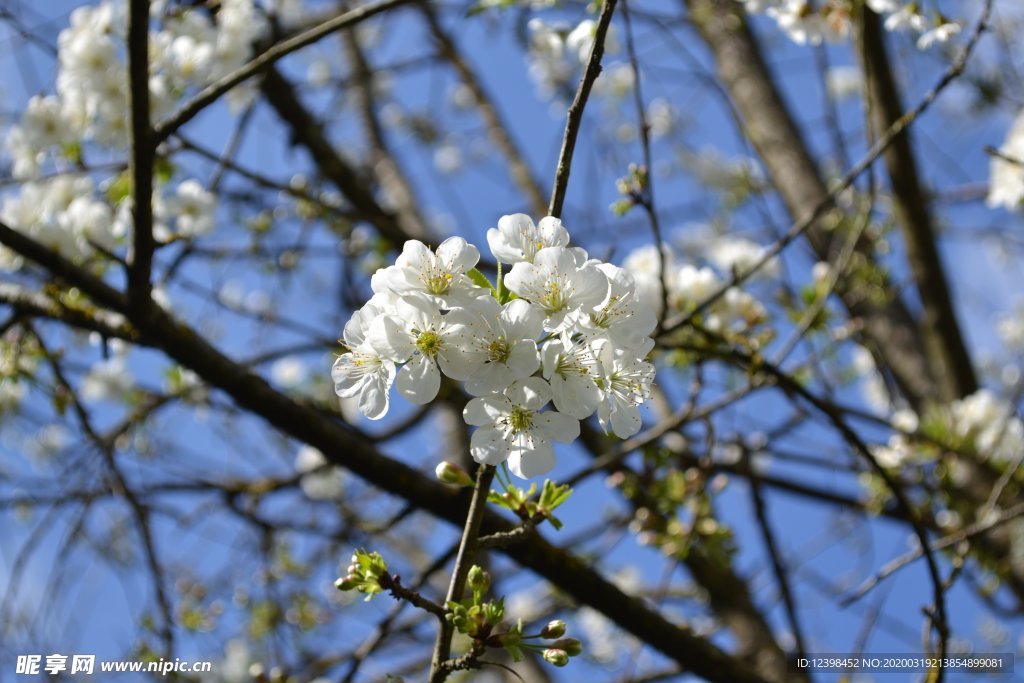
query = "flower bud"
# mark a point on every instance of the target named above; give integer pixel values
(346, 583)
(450, 473)
(479, 580)
(571, 646)
(556, 657)
(554, 629)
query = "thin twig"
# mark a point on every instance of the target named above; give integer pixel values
(976, 529)
(574, 118)
(646, 198)
(221, 86)
(778, 565)
(883, 143)
(467, 551)
(504, 539)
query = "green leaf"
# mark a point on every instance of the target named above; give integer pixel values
(480, 279)
(120, 189)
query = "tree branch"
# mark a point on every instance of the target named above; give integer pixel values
(943, 341)
(267, 58)
(574, 119)
(143, 150)
(463, 561)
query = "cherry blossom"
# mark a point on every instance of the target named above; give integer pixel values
(512, 428)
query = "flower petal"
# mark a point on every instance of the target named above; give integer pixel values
(484, 411)
(419, 380)
(557, 426)
(458, 254)
(488, 446)
(522, 319)
(625, 420)
(373, 399)
(529, 463)
(531, 393)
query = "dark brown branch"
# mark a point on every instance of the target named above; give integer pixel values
(393, 584)
(506, 538)
(142, 156)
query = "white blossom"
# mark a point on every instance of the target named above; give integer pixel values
(844, 82)
(939, 34)
(801, 22)
(571, 369)
(561, 281)
(418, 335)
(644, 265)
(1006, 172)
(289, 372)
(622, 318)
(109, 379)
(498, 343)
(990, 423)
(906, 18)
(730, 254)
(883, 6)
(319, 480)
(440, 276)
(625, 384)
(512, 428)
(363, 373)
(192, 208)
(517, 239)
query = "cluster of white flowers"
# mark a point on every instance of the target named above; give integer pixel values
(1006, 170)
(990, 423)
(63, 213)
(570, 331)
(807, 22)
(91, 102)
(90, 105)
(689, 285)
(557, 50)
(982, 421)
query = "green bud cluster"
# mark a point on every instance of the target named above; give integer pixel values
(364, 574)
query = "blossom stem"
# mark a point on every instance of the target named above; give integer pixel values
(463, 561)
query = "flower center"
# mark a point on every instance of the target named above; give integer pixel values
(520, 420)
(555, 296)
(498, 351)
(437, 279)
(429, 343)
